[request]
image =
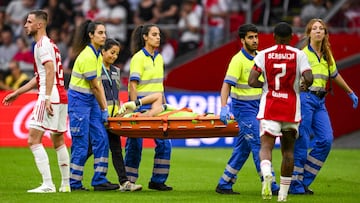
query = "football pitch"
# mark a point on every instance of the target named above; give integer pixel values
(194, 175)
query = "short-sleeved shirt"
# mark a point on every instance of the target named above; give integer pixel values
(320, 69)
(148, 71)
(87, 66)
(45, 50)
(282, 67)
(237, 75)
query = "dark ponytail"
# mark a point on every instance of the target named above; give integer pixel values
(137, 38)
(82, 37)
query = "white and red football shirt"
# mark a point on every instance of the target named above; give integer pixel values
(282, 67)
(46, 50)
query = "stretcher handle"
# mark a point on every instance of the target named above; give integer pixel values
(165, 124)
(165, 116)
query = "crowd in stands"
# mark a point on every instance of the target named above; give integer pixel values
(187, 25)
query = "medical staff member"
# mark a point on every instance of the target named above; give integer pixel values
(315, 118)
(88, 109)
(245, 105)
(110, 77)
(146, 77)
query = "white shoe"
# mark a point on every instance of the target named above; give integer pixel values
(282, 198)
(65, 188)
(129, 186)
(43, 189)
(266, 188)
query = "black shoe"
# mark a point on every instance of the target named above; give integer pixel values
(226, 191)
(275, 192)
(308, 191)
(159, 186)
(82, 188)
(106, 186)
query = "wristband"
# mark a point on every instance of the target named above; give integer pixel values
(164, 107)
(47, 97)
(138, 102)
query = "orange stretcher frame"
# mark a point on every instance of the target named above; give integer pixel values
(172, 127)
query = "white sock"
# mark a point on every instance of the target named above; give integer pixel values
(284, 185)
(42, 163)
(265, 166)
(273, 174)
(64, 164)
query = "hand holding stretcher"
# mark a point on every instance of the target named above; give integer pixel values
(167, 122)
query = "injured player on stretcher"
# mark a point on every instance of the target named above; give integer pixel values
(165, 121)
(157, 108)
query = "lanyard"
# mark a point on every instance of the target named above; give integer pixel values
(107, 74)
(112, 92)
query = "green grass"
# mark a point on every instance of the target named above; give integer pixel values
(194, 174)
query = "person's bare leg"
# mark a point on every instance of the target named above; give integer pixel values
(267, 145)
(156, 104)
(287, 164)
(152, 98)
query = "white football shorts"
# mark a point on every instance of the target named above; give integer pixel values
(41, 120)
(274, 128)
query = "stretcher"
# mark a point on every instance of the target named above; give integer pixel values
(173, 127)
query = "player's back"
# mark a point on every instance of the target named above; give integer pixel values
(281, 70)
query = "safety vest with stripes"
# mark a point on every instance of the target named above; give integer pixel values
(237, 76)
(148, 71)
(87, 66)
(320, 69)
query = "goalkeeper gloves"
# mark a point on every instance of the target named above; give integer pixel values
(130, 106)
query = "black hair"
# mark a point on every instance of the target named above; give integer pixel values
(110, 43)
(82, 37)
(283, 30)
(244, 29)
(7, 28)
(137, 39)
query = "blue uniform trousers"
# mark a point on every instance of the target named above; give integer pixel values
(86, 127)
(248, 140)
(315, 129)
(133, 149)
